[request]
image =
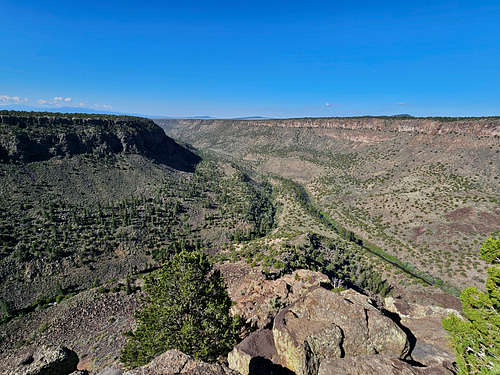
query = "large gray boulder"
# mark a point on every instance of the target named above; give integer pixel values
(376, 365)
(424, 321)
(326, 324)
(431, 355)
(48, 360)
(176, 362)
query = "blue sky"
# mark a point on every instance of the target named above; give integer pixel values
(269, 58)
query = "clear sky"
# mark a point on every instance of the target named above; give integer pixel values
(268, 58)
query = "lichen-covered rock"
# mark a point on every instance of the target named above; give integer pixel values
(176, 362)
(325, 324)
(48, 360)
(376, 365)
(257, 301)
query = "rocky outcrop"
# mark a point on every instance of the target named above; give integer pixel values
(258, 301)
(176, 362)
(377, 365)
(484, 126)
(424, 321)
(325, 324)
(28, 138)
(340, 333)
(415, 310)
(47, 360)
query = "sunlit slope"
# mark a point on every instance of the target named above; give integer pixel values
(424, 190)
(86, 199)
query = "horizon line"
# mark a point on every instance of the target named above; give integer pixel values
(208, 117)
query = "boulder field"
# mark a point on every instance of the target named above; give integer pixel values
(315, 330)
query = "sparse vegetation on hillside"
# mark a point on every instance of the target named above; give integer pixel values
(295, 245)
(88, 224)
(77, 219)
(85, 228)
(424, 197)
(40, 223)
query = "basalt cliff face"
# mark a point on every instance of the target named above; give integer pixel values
(486, 126)
(36, 138)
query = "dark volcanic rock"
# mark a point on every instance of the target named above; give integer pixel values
(424, 321)
(37, 138)
(260, 344)
(257, 355)
(48, 360)
(430, 355)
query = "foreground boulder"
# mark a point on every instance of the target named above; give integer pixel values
(255, 355)
(326, 324)
(424, 321)
(176, 362)
(377, 365)
(431, 355)
(48, 360)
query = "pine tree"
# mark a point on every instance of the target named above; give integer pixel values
(187, 308)
(490, 249)
(477, 338)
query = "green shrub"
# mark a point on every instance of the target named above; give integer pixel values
(476, 339)
(187, 308)
(338, 289)
(490, 249)
(5, 310)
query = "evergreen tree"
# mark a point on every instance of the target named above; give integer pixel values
(490, 249)
(477, 338)
(187, 308)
